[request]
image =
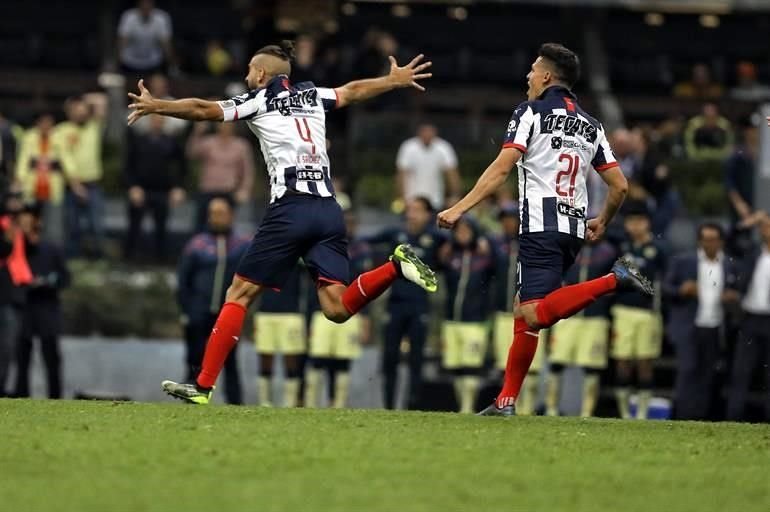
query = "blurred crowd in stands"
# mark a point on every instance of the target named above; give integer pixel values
(712, 309)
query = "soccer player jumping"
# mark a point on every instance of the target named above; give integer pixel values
(303, 219)
(553, 142)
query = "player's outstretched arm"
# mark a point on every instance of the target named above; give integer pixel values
(494, 176)
(192, 109)
(618, 188)
(399, 77)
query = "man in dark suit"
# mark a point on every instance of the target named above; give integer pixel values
(41, 314)
(701, 287)
(752, 350)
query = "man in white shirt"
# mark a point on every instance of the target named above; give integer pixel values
(424, 163)
(753, 347)
(144, 38)
(699, 286)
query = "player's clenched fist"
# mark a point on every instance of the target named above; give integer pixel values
(448, 218)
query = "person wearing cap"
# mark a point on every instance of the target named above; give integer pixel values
(41, 315)
(637, 321)
(468, 264)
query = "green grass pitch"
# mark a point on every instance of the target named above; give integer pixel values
(98, 456)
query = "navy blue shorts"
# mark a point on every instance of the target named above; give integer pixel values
(543, 260)
(294, 227)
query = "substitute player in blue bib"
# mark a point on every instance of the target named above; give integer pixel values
(303, 219)
(555, 143)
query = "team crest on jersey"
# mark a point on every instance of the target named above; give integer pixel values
(556, 142)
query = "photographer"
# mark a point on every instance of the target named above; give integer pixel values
(14, 273)
(40, 317)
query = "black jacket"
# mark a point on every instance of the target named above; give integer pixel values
(155, 163)
(41, 313)
(49, 271)
(6, 285)
(682, 310)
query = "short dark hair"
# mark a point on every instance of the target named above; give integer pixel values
(566, 62)
(711, 225)
(283, 50)
(425, 202)
(635, 208)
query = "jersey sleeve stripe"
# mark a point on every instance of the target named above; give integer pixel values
(606, 166)
(514, 145)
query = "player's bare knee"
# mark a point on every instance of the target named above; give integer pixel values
(241, 291)
(337, 313)
(529, 313)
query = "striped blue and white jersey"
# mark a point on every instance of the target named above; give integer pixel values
(560, 144)
(290, 122)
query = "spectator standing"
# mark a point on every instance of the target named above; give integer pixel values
(144, 39)
(654, 180)
(227, 166)
(7, 155)
(81, 137)
(700, 86)
(161, 89)
(218, 59)
(423, 165)
(205, 271)
(752, 350)
(408, 305)
(41, 169)
(306, 66)
(154, 170)
(14, 273)
(708, 136)
(749, 88)
(637, 323)
(740, 175)
(698, 286)
(468, 262)
(41, 315)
